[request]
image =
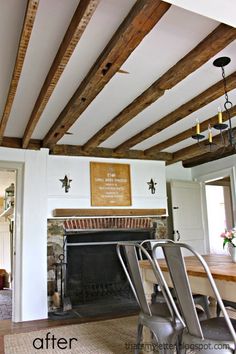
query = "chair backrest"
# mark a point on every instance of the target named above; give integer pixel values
(149, 245)
(131, 250)
(177, 269)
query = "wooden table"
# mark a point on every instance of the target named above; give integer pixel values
(222, 269)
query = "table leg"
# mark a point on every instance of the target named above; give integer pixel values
(147, 336)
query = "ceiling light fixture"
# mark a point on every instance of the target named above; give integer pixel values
(220, 63)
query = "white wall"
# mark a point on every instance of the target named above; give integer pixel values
(177, 171)
(31, 218)
(79, 194)
(34, 231)
(41, 192)
(214, 166)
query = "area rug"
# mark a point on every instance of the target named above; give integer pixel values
(103, 337)
(5, 304)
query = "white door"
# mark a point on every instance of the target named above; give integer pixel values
(188, 214)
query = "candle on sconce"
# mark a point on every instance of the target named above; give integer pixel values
(209, 134)
(219, 116)
(197, 127)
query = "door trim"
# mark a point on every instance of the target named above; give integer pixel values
(210, 177)
(17, 239)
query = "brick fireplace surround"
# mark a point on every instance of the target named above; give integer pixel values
(58, 227)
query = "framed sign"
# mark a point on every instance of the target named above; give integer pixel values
(110, 184)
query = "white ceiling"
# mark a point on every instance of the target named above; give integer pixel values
(181, 32)
(220, 11)
(174, 36)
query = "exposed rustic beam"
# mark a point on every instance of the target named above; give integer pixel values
(107, 212)
(200, 149)
(208, 157)
(206, 49)
(73, 150)
(189, 132)
(139, 104)
(16, 143)
(27, 28)
(140, 20)
(207, 96)
(73, 34)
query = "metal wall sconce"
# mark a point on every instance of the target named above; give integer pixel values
(66, 183)
(151, 186)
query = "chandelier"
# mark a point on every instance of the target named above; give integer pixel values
(220, 125)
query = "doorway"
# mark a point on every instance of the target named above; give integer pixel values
(16, 283)
(219, 206)
(7, 203)
(219, 212)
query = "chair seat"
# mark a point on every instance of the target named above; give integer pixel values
(216, 329)
(215, 332)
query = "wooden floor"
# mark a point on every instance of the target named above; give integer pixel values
(8, 327)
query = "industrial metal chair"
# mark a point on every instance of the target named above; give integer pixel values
(227, 304)
(199, 299)
(216, 335)
(162, 319)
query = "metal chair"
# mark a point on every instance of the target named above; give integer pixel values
(163, 320)
(227, 304)
(216, 335)
(199, 299)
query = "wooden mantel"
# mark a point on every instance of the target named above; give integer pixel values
(107, 212)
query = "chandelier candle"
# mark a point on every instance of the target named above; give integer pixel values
(197, 136)
(197, 127)
(209, 134)
(220, 121)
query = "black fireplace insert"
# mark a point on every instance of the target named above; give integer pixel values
(93, 272)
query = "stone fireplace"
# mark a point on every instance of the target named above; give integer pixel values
(93, 271)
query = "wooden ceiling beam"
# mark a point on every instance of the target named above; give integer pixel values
(78, 24)
(140, 20)
(16, 143)
(201, 148)
(208, 157)
(135, 107)
(206, 49)
(189, 132)
(73, 150)
(183, 111)
(27, 28)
